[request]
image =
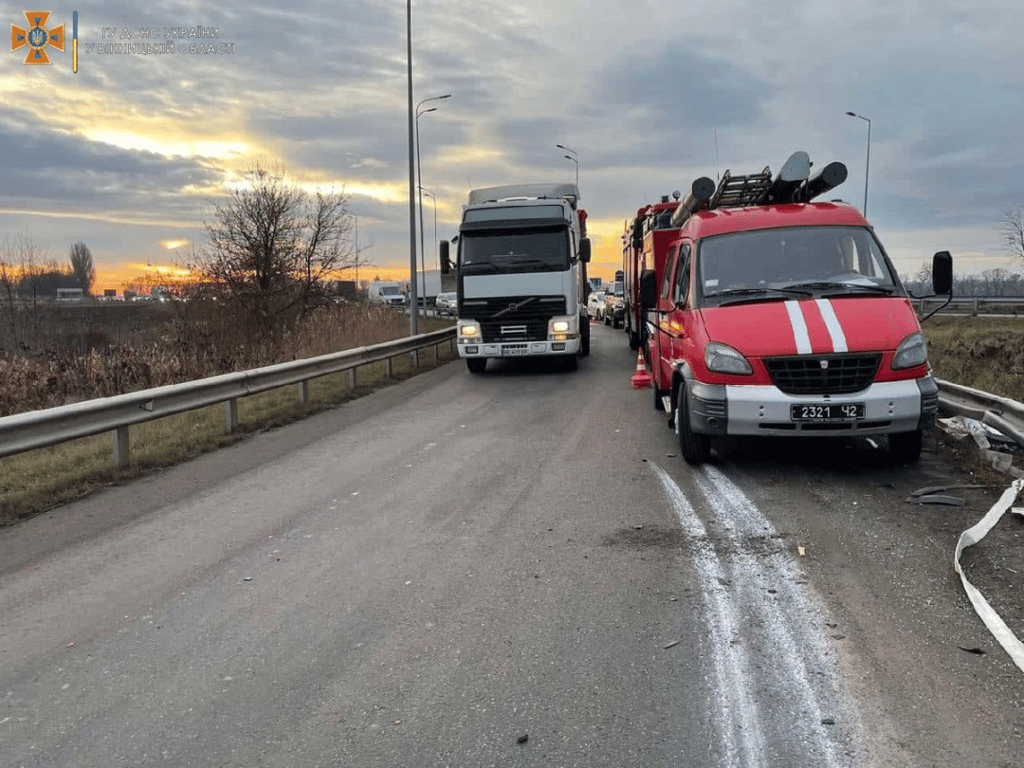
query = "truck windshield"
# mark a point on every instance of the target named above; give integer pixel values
(541, 249)
(824, 259)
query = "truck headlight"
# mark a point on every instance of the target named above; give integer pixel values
(469, 330)
(559, 326)
(912, 351)
(722, 358)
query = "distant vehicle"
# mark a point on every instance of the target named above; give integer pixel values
(595, 305)
(446, 304)
(385, 292)
(521, 264)
(614, 312)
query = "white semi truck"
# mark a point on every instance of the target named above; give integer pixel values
(521, 265)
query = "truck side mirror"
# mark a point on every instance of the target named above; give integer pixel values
(648, 289)
(446, 264)
(942, 273)
(585, 250)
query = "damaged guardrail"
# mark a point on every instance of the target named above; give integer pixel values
(1003, 417)
(973, 411)
(39, 429)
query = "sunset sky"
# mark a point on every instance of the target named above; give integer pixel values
(129, 153)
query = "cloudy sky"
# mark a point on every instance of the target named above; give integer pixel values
(129, 153)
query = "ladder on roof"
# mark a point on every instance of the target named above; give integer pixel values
(740, 191)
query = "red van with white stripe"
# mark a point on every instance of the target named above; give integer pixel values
(787, 320)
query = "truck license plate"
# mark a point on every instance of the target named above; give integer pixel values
(827, 412)
(518, 351)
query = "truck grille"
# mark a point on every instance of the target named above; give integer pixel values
(513, 318)
(823, 374)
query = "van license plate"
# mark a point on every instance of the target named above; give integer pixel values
(827, 412)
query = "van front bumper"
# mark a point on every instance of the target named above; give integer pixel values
(889, 407)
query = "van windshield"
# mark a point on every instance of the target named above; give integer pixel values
(540, 249)
(792, 260)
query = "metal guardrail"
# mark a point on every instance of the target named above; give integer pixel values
(973, 305)
(39, 429)
(1000, 413)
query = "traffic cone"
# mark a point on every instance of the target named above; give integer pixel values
(641, 379)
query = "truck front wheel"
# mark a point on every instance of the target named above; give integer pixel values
(696, 448)
(476, 364)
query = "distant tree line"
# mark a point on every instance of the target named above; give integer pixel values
(26, 274)
(1001, 281)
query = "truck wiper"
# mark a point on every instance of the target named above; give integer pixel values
(479, 266)
(843, 286)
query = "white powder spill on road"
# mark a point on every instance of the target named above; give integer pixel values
(777, 693)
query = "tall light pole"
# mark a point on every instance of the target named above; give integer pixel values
(867, 164)
(433, 246)
(413, 315)
(575, 158)
(419, 181)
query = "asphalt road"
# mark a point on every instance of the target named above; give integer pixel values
(513, 569)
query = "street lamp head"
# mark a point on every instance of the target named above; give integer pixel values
(852, 114)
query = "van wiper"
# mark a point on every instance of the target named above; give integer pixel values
(827, 284)
(756, 291)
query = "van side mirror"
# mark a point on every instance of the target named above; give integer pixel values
(446, 264)
(942, 273)
(585, 250)
(648, 289)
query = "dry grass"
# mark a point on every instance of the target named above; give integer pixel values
(986, 353)
(35, 481)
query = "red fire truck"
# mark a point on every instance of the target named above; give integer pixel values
(777, 316)
(644, 246)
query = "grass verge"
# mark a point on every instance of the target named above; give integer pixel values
(36, 481)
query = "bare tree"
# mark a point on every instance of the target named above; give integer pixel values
(82, 267)
(1011, 227)
(272, 246)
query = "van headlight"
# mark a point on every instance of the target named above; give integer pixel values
(721, 358)
(912, 351)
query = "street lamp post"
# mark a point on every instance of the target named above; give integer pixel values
(575, 158)
(413, 317)
(419, 181)
(867, 163)
(433, 246)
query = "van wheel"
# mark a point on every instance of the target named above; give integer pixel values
(476, 364)
(696, 448)
(905, 447)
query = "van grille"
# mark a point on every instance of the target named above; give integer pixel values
(513, 318)
(823, 374)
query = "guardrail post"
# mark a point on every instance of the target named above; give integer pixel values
(352, 379)
(974, 310)
(231, 414)
(304, 393)
(120, 435)
(388, 369)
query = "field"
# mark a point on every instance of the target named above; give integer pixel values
(986, 353)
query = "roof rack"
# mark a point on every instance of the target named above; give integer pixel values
(793, 184)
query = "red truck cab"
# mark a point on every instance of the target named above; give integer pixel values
(787, 319)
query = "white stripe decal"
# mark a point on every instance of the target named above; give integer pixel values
(835, 330)
(796, 319)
